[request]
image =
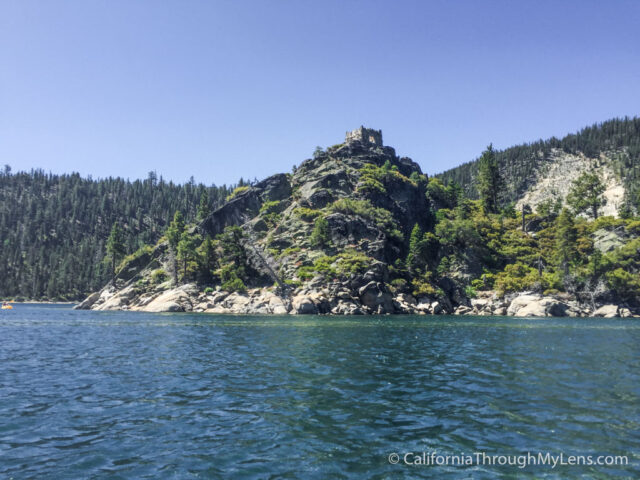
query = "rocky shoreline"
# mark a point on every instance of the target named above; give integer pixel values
(372, 298)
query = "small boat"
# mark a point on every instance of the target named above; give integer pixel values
(6, 306)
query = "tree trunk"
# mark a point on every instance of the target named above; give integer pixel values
(595, 211)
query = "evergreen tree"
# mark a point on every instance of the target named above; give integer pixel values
(320, 237)
(204, 209)
(414, 255)
(174, 234)
(186, 251)
(115, 246)
(585, 194)
(490, 181)
(208, 260)
(566, 235)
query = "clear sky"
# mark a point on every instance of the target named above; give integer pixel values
(224, 89)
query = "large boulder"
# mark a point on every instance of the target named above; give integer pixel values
(88, 302)
(374, 297)
(521, 301)
(545, 307)
(607, 311)
(175, 300)
(537, 306)
(303, 304)
(117, 300)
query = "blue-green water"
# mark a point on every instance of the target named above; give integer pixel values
(134, 395)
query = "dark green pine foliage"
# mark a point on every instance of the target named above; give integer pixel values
(320, 236)
(116, 248)
(54, 228)
(620, 138)
(187, 252)
(566, 236)
(585, 195)
(490, 184)
(174, 234)
(204, 208)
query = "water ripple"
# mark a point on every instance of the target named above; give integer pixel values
(121, 395)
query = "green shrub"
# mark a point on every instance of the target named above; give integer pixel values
(289, 251)
(422, 286)
(606, 222)
(275, 206)
(626, 284)
(633, 227)
(208, 290)
(324, 266)
(234, 285)
(351, 262)
(320, 237)
(399, 284)
(158, 276)
(237, 191)
(307, 214)
(363, 208)
(305, 273)
(516, 277)
(374, 179)
(470, 292)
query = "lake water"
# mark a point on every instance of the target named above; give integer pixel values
(136, 395)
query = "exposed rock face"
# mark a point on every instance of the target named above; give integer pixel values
(557, 173)
(175, 300)
(608, 240)
(374, 297)
(247, 204)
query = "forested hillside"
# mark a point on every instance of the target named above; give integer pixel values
(53, 228)
(619, 139)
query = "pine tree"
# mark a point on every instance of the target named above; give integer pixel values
(208, 259)
(174, 233)
(585, 194)
(490, 181)
(204, 209)
(566, 236)
(320, 237)
(413, 257)
(186, 251)
(115, 246)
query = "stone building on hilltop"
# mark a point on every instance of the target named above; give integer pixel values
(365, 135)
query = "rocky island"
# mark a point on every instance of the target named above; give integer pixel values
(358, 229)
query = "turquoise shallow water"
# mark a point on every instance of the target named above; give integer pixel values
(135, 395)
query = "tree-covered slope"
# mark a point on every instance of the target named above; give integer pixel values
(616, 142)
(53, 228)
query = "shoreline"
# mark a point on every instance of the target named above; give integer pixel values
(41, 302)
(370, 300)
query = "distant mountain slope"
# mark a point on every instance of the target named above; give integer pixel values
(543, 168)
(53, 228)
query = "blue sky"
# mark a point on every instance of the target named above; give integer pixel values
(224, 89)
